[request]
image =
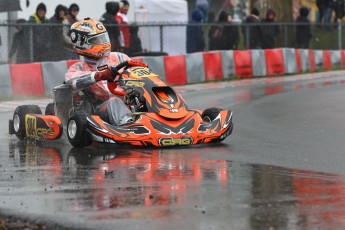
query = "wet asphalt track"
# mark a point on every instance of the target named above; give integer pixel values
(282, 168)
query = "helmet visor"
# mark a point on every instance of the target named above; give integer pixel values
(98, 39)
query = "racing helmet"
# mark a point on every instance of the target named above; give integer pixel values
(90, 38)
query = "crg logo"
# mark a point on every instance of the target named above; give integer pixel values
(175, 141)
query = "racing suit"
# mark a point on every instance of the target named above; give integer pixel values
(81, 76)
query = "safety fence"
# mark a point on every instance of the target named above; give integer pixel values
(43, 42)
(39, 79)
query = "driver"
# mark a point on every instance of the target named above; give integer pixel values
(91, 41)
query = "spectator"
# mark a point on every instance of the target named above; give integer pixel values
(69, 19)
(338, 6)
(109, 21)
(195, 36)
(270, 30)
(321, 5)
(224, 36)
(204, 6)
(327, 13)
(135, 42)
(18, 46)
(39, 33)
(122, 19)
(56, 33)
(252, 32)
(303, 29)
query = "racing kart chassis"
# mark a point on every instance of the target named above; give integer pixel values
(161, 117)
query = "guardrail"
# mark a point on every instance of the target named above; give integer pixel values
(38, 79)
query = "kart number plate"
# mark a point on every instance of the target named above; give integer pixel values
(30, 124)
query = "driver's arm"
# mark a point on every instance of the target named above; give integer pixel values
(80, 79)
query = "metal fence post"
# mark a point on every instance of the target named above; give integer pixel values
(285, 35)
(31, 44)
(340, 39)
(161, 37)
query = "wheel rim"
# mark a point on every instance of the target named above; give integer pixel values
(16, 122)
(72, 128)
(206, 119)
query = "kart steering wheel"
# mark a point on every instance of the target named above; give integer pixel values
(126, 64)
(112, 85)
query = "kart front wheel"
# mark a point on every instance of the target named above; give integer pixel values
(77, 132)
(210, 114)
(19, 119)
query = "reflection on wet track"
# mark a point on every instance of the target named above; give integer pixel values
(105, 185)
(200, 187)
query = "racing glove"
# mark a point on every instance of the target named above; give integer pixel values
(104, 75)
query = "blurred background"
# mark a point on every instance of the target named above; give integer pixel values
(161, 26)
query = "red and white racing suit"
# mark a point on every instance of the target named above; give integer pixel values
(80, 76)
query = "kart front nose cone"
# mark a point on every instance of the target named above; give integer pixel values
(16, 122)
(72, 129)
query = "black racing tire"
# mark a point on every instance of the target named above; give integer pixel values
(50, 109)
(210, 114)
(19, 118)
(77, 132)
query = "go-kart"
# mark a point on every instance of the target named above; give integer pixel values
(161, 117)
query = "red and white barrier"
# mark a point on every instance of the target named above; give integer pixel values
(175, 70)
(27, 79)
(39, 79)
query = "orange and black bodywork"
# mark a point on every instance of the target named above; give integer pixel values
(46, 127)
(151, 129)
(165, 120)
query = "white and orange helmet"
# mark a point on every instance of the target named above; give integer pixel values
(90, 38)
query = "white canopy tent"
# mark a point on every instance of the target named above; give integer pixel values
(162, 12)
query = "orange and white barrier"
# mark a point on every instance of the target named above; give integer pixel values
(39, 79)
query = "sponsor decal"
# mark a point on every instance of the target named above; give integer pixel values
(135, 83)
(99, 26)
(86, 25)
(175, 141)
(33, 131)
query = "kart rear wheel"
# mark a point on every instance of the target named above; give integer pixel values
(77, 132)
(210, 114)
(50, 109)
(19, 119)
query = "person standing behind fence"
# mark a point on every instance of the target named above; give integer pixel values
(321, 5)
(69, 19)
(39, 32)
(204, 6)
(338, 7)
(109, 21)
(327, 14)
(56, 42)
(252, 31)
(223, 36)
(195, 35)
(122, 19)
(135, 47)
(270, 30)
(303, 29)
(18, 45)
